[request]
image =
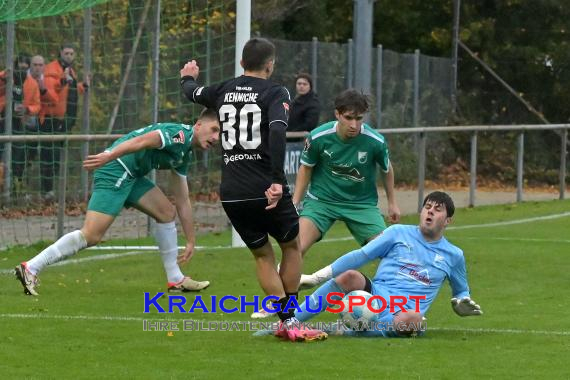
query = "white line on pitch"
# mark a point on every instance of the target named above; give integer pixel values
(470, 226)
(500, 331)
(140, 319)
(517, 239)
(198, 247)
(142, 249)
(106, 256)
(510, 222)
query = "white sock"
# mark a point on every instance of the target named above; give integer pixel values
(67, 245)
(167, 240)
(323, 274)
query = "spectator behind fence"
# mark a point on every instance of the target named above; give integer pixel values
(36, 71)
(305, 108)
(59, 113)
(25, 107)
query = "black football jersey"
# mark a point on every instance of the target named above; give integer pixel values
(247, 107)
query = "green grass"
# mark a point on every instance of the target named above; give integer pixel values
(518, 273)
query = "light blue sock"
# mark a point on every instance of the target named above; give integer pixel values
(317, 302)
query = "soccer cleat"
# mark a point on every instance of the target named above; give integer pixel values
(262, 314)
(28, 280)
(294, 331)
(187, 285)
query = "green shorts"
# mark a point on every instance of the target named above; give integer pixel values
(363, 221)
(114, 188)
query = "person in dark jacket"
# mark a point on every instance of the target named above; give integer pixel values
(305, 108)
(25, 108)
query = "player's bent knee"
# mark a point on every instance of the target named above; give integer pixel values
(351, 280)
(166, 215)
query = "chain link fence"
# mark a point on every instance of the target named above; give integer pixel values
(130, 87)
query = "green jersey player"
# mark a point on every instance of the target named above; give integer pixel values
(339, 166)
(119, 181)
(338, 174)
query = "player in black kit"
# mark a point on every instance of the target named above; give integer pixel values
(253, 113)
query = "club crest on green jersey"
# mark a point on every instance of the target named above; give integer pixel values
(362, 157)
(179, 138)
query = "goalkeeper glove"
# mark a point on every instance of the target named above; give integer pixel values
(465, 307)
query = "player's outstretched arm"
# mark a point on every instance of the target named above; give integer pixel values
(465, 307)
(151, 140)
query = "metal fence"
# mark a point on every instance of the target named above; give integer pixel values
(28, 226)
(133, 52)
(133, 87)
(409, 90)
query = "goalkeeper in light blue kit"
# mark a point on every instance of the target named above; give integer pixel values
(415, 262)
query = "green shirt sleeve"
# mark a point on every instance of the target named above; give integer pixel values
(310, 155)
(177, 139)
(383, 156)
(173, 136)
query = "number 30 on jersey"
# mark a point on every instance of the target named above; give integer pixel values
(249, 126)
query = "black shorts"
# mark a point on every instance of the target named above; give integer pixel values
(254, 223)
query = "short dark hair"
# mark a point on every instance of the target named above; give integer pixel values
(23, 58)
(442, 199)
(208, 114)
(66, 45)
(352, 100)
(256, 53)
(305, 76)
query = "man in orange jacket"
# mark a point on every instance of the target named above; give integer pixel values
(25, 107)
(58, 114)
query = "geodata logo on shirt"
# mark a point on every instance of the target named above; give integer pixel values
(241, 156)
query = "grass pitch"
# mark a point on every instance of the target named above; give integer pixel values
(88, 320)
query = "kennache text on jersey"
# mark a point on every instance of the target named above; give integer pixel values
(239, 97)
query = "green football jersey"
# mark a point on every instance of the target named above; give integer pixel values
(345, 171)
(175, 152)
